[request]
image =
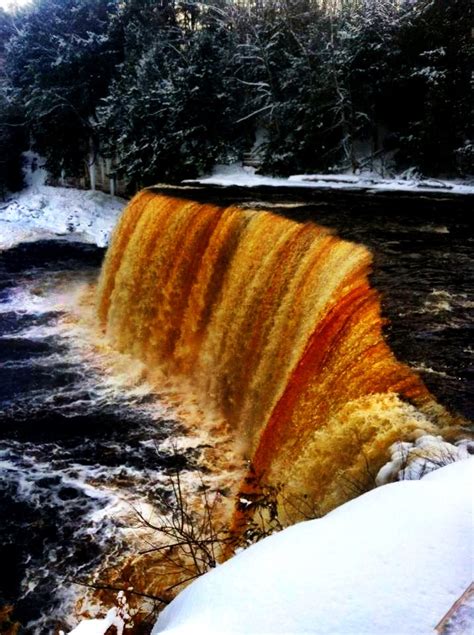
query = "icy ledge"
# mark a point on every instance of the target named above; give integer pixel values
(99, 626)
(41, 212)
(394, 560)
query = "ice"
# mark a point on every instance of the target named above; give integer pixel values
(411, 461)
(99, 626)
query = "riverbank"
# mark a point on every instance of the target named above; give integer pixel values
(238, 175)
(42, 212)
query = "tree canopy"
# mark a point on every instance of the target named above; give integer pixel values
(166, 89)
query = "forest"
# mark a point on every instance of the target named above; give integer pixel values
(165, 90)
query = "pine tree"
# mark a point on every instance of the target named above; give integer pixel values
(60, 63)
(433, 113)
(12, 133)
(166, 89)
(170, 113)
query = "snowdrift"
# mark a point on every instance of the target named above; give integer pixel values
(236, 174)
(392, 561)
(41, 212)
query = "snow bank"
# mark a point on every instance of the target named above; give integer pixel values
(226, 175)
(239, 175)
(43, 212)
(117, 617)
(392, 561)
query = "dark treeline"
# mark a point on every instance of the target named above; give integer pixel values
(167, 89)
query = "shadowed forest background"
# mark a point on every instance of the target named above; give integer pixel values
(164, 90)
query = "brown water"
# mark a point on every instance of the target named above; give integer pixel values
(276, 327)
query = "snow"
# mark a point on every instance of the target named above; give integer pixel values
(12, 5)
(392, 561)
(462, 619)
(99, 626)
(42, 212)
(411, 461)
(236, 174)
(118, 616)
(226, 175)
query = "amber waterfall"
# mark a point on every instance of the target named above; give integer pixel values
(274, 324)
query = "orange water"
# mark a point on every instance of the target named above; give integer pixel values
(275, 327)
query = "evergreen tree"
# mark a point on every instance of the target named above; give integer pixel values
(170, 113)
(298, 68)
(366, 54)
(279, 70)
(166, 89)
(12, 132)
(59, 63)
(432, 115)
(12, 144)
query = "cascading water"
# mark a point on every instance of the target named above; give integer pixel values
(276, 327)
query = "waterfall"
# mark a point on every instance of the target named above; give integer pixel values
(274, 324)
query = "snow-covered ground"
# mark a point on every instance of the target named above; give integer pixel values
(226, 175)
(391, 562)
(99, 626)
(45, 212)
(42, 212)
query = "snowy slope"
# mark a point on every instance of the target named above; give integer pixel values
(42, 212)
(391, 562)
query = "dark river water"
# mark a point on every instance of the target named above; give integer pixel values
(77, 444)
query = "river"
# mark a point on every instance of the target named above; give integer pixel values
(78, 443)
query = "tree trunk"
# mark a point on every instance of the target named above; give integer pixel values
(92, 165)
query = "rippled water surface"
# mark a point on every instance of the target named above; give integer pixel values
(75, 445)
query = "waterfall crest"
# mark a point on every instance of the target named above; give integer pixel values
(275, 326)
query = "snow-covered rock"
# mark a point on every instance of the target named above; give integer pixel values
(117, 617)
(392, 561)
(99, 626)
(41, 212)
(412, 460)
